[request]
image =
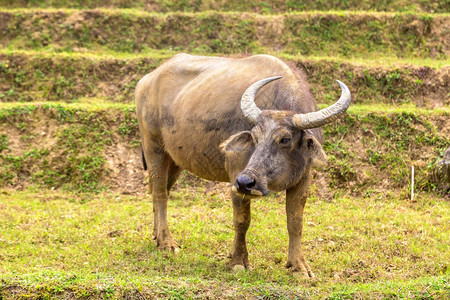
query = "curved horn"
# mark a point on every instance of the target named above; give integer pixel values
(248, 106)
(326, 115)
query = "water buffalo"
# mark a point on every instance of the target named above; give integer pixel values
(217, 118)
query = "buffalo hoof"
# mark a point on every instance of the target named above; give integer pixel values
(237, 268)
(239, 263)
(301, 271)
(173, 248)
(168, 245)
(309, 276)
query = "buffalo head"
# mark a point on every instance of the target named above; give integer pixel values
(281, 145)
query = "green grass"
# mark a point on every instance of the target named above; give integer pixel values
(55, 242)
(100, 104)
(382, 61)
(266, 7)
(383, 108)
(84, 104)
(157, 54)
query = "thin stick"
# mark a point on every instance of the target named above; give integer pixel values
(412, 183)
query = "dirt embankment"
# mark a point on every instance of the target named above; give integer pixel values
(84, 150)
(71, 149)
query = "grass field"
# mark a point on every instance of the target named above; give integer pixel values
(65, 244)
(75, 215)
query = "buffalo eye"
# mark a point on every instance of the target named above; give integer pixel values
(310, 143)
(285, 140)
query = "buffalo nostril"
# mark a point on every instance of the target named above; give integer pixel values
(252, 183)
(245, 183)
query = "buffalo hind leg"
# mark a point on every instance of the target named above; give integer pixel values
(241, 222)
(163, 173)
(295, 204)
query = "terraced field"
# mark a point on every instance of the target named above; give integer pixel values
(75, 218)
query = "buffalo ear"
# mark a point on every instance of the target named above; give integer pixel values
(239, 142)
(315, 151)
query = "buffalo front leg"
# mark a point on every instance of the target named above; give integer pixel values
(241, 222)
(159, 169)
(295, 204)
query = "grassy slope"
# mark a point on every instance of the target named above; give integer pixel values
(34, 76)
(344, 34)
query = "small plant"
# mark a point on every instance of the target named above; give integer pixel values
(373, 156)
(3, 142)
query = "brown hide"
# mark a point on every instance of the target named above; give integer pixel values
(190, 105)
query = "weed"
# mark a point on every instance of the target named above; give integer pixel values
(3, 142)
(373, 156)
(10, 92)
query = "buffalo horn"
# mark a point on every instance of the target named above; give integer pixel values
(326, 115)
(248, 106)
